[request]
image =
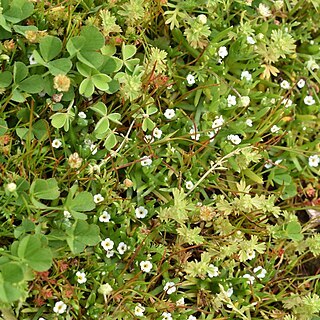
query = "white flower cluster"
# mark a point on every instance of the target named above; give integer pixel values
(234, 138)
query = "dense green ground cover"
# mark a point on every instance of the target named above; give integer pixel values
(159, 159)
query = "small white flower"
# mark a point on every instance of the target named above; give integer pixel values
(67, 214)
(274, 129)
(217, 124)
(146, 161)
(32, 60)
(11, 187)
(229, 292)
(301, 83)
(285, 85)
(191, 317)
(278, 161)
(104, 217)
(250, 40)
(166, 316)
(60, 307)
(148, 138)
(93, 149)
(139, 310)
(249, 277)
(169, 113)
(97, 198)
(311, 64)
(56, 143)
(268, 165)
(251, 254)
(109, 253)
(190, 79)
(287, 102)
(180, 302)
(145, 266)
(264, 10)
(122, 248)
(314, 160)
(170, 287)
(141, 212)
(222, 52)
(107, 244)
(309, 101)
(202, 18)
(157, 133)
(246, 75)
(211, 134)
(81, 277)
(194, 134)
(261, 272)
(245, 101)
(234, 138)
(82, 115)
(189, 185)
(212, 271)
(232, 101)
(249, 123)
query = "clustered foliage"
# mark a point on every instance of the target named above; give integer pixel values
(159, 159)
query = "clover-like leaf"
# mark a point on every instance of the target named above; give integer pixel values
(46, 189)
(36, 256)
(82, 234)
(50, 47)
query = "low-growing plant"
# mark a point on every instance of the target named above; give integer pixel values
(159, 159)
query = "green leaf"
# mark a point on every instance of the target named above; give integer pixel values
(83, 201)
(86, 88)
(33, 84)
(293, 231)
(40, 129)
(8, 292)
(114, 117)
(111, 65)
(94, 40)
(38, 58)
(128, 51)
(3, 127)
(18, 96)
(46, 189)
(283, 179)
(147, 124)
(81, 235)
(23, 133)
(130, 64)
(84, 69)
(102, 126)
(101, 81)
(60, 66)
(7, 30)
(108, 50)
(113, 86)
(20, 71)
(59, 119)
(91, 58)
(38, 258)
(50, 47)
(18, 11)
(75, 44)
(12, 272)
(5, 79)
(253, 176)
(110, 141)
(100, 108)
